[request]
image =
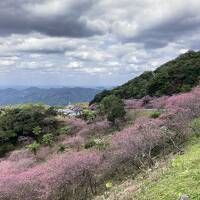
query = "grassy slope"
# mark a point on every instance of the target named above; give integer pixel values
(167, 180)
(181, 177)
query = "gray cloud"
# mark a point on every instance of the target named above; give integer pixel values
(156, 23)
(92, 41)
(169, 31)
(150, 22)
(54, 18)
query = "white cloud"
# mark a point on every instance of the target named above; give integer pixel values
(7, 62)
(134, 36)
(47, 8)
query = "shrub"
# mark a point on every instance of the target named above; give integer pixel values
(89, 115)
(34, 147)
(6, 136)
(90, 144)
(195, 125)
(65, 130)
(113, 107)
(4, 148)
(138, 142)
(37, 130)
(98, 143)
(76, 124)
(155, 114)
(75, 142)
(47, 138)
(102, 146)
(61, 148)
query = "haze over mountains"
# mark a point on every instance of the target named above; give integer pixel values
(51, 96)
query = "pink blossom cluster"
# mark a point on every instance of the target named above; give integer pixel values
(159, 103)
(76, 123)
(133, 142)
(74, 142)
(63, 172)
(94, 128)
(133, 104)
(187, 102)
(188, 99)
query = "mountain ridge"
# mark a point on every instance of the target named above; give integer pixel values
(51, 96)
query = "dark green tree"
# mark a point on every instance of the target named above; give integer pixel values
(113, 107)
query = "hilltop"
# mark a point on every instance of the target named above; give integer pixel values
(178, 75)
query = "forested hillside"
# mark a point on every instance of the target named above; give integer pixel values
(178, 75)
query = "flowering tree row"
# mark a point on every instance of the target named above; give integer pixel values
(76, 175)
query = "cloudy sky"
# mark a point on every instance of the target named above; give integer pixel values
(92, 42)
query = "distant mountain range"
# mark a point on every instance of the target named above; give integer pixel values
(178, 75)
(52, 96)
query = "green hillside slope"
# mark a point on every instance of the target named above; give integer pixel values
(178, 75)
(181, 177)
(169, 179)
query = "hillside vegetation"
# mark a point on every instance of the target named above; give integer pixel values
(181, 177)
(25, 123)
(178, 75)
(169, 179)
(78, 160)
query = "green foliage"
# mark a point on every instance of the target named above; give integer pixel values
(102, 145)
(61, 148)
(7, 135)
(37, 130)
(5, 147)
(195, 125)
(185, 88)
(51, 111)
(178, 75)
(89, 115)
(47, 138)
(109, 185)
(155, 114)
(90, 144)
(34, 147)
(116, 112)
(113, 107)
(65, 130)
(98, 143)
(100, 96)
(7, 141)
(181, 177)
(25, 120)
